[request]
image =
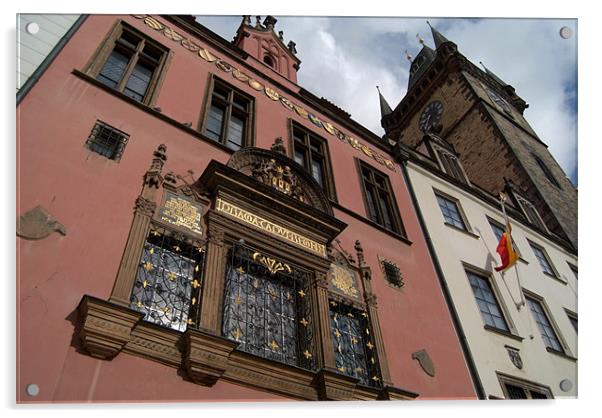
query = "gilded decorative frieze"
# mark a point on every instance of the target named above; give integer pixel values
(223, 66)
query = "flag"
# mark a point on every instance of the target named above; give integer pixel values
(505, 250)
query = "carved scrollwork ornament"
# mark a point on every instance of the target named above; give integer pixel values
(215, 235)
(321, 279)
(145, 207)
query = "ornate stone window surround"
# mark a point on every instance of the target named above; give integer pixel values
(110, 327)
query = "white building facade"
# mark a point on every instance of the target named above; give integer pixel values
(517, 350)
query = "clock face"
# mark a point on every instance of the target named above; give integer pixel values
(498, 100)
(431, 116)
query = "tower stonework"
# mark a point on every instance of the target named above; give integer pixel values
(483, 119)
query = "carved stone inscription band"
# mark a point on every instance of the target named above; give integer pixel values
(270, 227)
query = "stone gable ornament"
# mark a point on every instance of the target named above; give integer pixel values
(37, 223)
(425, 362)
(278, 176)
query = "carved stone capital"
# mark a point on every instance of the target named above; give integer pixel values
(321, 279)
(106, 327)
(215, 234)
(206, 356)
(391, 393)
(371, 299)
(333, 386)
(145, 206)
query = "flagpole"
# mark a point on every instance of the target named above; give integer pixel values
(508, 228)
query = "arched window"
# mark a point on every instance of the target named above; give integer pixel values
(269, 61)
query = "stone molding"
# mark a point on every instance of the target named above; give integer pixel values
(108, 329)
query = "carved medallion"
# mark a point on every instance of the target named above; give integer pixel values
(425, 362)
(343, 279)
(515, 358)
(37, 223)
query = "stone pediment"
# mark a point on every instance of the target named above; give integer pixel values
(282, 174)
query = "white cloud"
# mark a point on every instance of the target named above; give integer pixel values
(343, 59)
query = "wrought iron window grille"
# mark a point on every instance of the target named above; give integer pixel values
(107, 141)
(168, 284)
(392, 272)
(267, 307)
(355, 352)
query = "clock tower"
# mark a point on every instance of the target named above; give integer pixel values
(483, 118)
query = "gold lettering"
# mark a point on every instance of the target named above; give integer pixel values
(270, 227)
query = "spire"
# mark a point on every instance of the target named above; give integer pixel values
(437, 37)
(492, 75)
(385, 109)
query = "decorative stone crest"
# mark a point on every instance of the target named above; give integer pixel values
(425, 362)
(515, 357)
(278, 176)
(37, 223)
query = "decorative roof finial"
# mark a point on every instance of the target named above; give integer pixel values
(292, 47)
(269, 22)
(420, 40)
(246, 20)
(408, 56)
(281, 35)
(258, 22)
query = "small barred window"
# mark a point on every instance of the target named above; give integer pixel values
(107, 141)
(392, 273)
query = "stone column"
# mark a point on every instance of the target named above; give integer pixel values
(144, 211)
(213, 286)
(321, 314)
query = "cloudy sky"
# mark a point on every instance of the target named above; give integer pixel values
(343, 59)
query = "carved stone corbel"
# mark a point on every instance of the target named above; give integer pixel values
(333, 386)
(206, 356)
(106, 327)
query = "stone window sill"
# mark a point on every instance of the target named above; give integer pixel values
(108, 329)
(561, 354)
(465, 231)
(504, 333)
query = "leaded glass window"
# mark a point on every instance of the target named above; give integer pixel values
(545, 327)
(167, 286)
(488, 304)
(354, 348)
(451, 212)
(229, 116)
(267, 307)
